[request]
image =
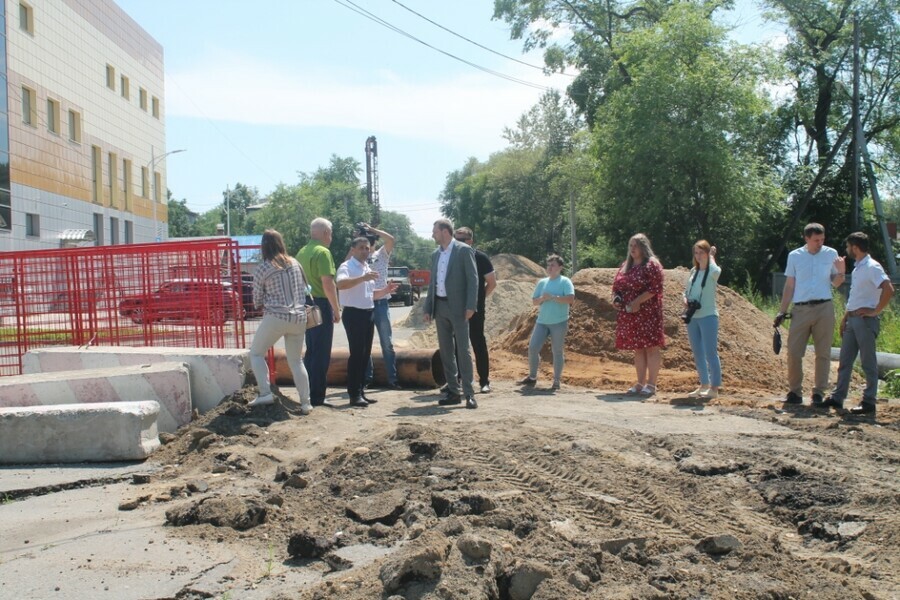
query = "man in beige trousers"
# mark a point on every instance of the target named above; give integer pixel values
(812, 270)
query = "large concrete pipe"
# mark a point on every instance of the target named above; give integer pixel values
(415, 368)
(887, 362)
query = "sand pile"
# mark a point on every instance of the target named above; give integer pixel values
(745, 332)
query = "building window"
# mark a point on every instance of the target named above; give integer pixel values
(155, 107)
(26, 18)
(53, 115)
(29, 106)
(5, 211)
(157, 182)
(113, 180)
(145, 182)
(126, 179)
(32, 225)
(75, 126)
(126, 90)
(129, 232)
(97, 172)
(113, 230)
(142, 97)
(98, 229)
(110, 77)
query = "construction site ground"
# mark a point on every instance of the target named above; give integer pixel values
(584, 492)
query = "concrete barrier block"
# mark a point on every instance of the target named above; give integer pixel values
(215, 373)
(69, 433)
(168, 383)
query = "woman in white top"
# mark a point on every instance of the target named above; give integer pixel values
(280, 288)
(703, 319)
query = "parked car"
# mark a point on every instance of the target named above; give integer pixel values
(185, 300)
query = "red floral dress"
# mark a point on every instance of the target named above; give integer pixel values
(644, 328)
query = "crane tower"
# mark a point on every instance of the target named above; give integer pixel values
(372, 179)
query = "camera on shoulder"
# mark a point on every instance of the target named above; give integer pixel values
(363, 230)
(692, 307)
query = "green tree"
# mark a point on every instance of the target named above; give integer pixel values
(180, 218)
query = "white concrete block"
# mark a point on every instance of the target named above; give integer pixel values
(167, 383)
(215, 373)
(70, 433)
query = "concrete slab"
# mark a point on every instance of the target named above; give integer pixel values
(215, 373)
(19, 481)
(103, 431)
(166, 383)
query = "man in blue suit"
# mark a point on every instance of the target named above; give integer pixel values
(452, 300)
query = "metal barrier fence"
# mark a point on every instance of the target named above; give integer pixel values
(186, 294)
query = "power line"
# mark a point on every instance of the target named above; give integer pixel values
(473, 42)
(350, 5)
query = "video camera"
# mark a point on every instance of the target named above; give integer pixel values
(363, 230)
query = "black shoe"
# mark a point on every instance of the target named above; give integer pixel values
(445, 389)
(450, 399)
(470, 402)
(793, 398)
(327, 403)
(830, 402)
(358, 402)
(369, 400)
(393, 386)
(528, 381)
(817, 401)
(866, 408)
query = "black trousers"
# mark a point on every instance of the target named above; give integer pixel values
(479, 348)
(360, 327)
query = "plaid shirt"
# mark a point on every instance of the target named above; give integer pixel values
(281, 291)
(378, 262)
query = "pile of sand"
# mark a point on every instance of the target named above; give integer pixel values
(745, 332)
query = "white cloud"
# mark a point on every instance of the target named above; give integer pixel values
(465, 111)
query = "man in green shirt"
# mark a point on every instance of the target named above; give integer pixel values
(318, 264)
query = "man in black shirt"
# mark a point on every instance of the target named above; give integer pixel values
(487, 281)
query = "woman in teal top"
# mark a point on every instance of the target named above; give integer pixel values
(554, 295)
(703, 328)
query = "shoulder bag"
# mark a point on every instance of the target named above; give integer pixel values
(313, 312)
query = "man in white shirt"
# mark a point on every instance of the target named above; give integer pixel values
(356, 289)
(812, 270)
(870, 292)
(379, 260)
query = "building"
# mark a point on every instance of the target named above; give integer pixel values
(82, 127)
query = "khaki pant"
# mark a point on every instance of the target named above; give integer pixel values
(816, 320)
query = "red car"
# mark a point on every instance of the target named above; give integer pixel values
(185, 300)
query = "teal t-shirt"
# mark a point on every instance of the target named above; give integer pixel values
(553, 312)
(708, 296)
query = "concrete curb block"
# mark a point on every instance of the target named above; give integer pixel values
(215, 373)
(71, 433)
(169, 384)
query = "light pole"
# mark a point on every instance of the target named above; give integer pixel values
(150, 165)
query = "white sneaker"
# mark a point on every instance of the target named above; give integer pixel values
(305, 409)
(710, 394)
(648, 390)
(698, 393)
(264, 399)
(486, 388)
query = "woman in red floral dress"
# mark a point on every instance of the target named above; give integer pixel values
(637, 293)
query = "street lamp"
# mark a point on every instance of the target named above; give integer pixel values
(153, 191)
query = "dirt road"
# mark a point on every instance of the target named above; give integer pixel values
(575, 494)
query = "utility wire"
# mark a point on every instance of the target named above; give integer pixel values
(350, 5)
(473, 42)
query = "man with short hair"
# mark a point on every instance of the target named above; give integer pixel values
(870, 292)
(318, 265)
(487, 281)
(379, 260)
(356, 286)
(451, 302)
(812, 270)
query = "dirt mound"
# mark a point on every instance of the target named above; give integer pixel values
(745, 332)
(516, 268)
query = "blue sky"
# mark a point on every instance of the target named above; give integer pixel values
(257, 91)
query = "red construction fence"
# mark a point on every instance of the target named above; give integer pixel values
(186, 294)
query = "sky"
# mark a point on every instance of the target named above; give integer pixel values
(257, 92)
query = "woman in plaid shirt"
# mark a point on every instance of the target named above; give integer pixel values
(280, 288)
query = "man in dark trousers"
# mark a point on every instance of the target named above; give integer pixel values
(487, 281)
(318, 265)
(452, 300)
(356, 286)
